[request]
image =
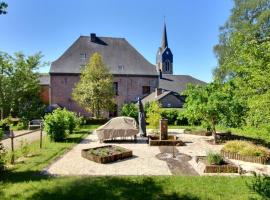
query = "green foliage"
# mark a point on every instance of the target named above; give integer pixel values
(95, 91)
(2, 157)
(130, 110)
(243, 56)
(214, 158)
(20, 126)
(24, 147)
(19, 86)
(171, 115)
(153, 114)
(3, 8)
(245, 148)
(60, 123)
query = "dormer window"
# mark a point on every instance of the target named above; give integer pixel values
(82, 57)
(120, 67)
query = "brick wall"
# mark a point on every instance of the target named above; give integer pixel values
(129, 88)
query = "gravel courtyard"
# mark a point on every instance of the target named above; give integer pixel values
(146, 160)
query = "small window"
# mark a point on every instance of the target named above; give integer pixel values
(120, 67)
(65, 80)
(115, 88)
(145, 90)
(82, 56)
(167, 66)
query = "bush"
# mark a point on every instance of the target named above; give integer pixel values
(214, 158)
(153, 114)
(130, 110)
(60, 123)
(20, 126)
(2, 157)
(245, 148)
(170, 115)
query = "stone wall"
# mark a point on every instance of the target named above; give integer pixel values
(129, 88)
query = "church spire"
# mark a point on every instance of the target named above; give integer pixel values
(164, 38)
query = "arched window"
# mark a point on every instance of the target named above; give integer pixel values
(167, 65)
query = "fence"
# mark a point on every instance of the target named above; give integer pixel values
(12, 136)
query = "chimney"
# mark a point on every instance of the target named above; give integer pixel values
(160, 74)
(93, 37)
(158, 91)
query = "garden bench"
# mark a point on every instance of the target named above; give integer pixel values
(35, 123)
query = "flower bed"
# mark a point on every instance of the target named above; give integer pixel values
(106, 154)
(172, 141)
(198, 132)
(245, 151)
(225, 167)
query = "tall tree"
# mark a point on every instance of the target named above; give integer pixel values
(3, 7)
(95, 90)
(243, 56)
(19, 86)
(248, 17)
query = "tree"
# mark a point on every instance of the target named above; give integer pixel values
(248, 17)
(243, 56)
(206, 103)
(19, 86)
(153, 114)
(95, 90)
(3, 7)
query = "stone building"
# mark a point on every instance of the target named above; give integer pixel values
(133, 75)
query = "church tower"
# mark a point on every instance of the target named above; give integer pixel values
(164, 58)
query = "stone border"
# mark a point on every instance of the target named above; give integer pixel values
(236, 156)
(155, 141)
(199, 133)
(106, 159)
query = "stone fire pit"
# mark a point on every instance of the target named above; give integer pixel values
(106, 154)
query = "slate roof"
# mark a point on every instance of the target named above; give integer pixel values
(177, 83)
(44, 79)
(120, 57)
(153, 97)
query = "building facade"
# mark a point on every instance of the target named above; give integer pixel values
(133, 75)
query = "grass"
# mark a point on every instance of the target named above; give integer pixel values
(245, 148)
(25, 181)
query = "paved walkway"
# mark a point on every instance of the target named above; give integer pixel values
(31, 137)
(147, 160)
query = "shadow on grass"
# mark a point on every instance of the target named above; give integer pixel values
(11, 176)
(260, 185)
(113, 188)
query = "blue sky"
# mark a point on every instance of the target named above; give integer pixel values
(51, 26)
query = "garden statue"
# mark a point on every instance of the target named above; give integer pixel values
(141, 119)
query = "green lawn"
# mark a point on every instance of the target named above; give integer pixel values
(25, 181)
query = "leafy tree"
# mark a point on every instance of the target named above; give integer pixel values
(95, 91)
(3, 7)
(153, 114)
(243, 56)
(206, 103)
(19, 86)
(130, 110)
(248, 17)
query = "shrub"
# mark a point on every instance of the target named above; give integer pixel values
(59, 124)
(170, 115)
(25, 148)
(214, 158)
(130, 110)
(20, 126)
(245, 148)
(153, 114)
(2, 157)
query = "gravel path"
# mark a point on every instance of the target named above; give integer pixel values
(143, 162)
(147, 160)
